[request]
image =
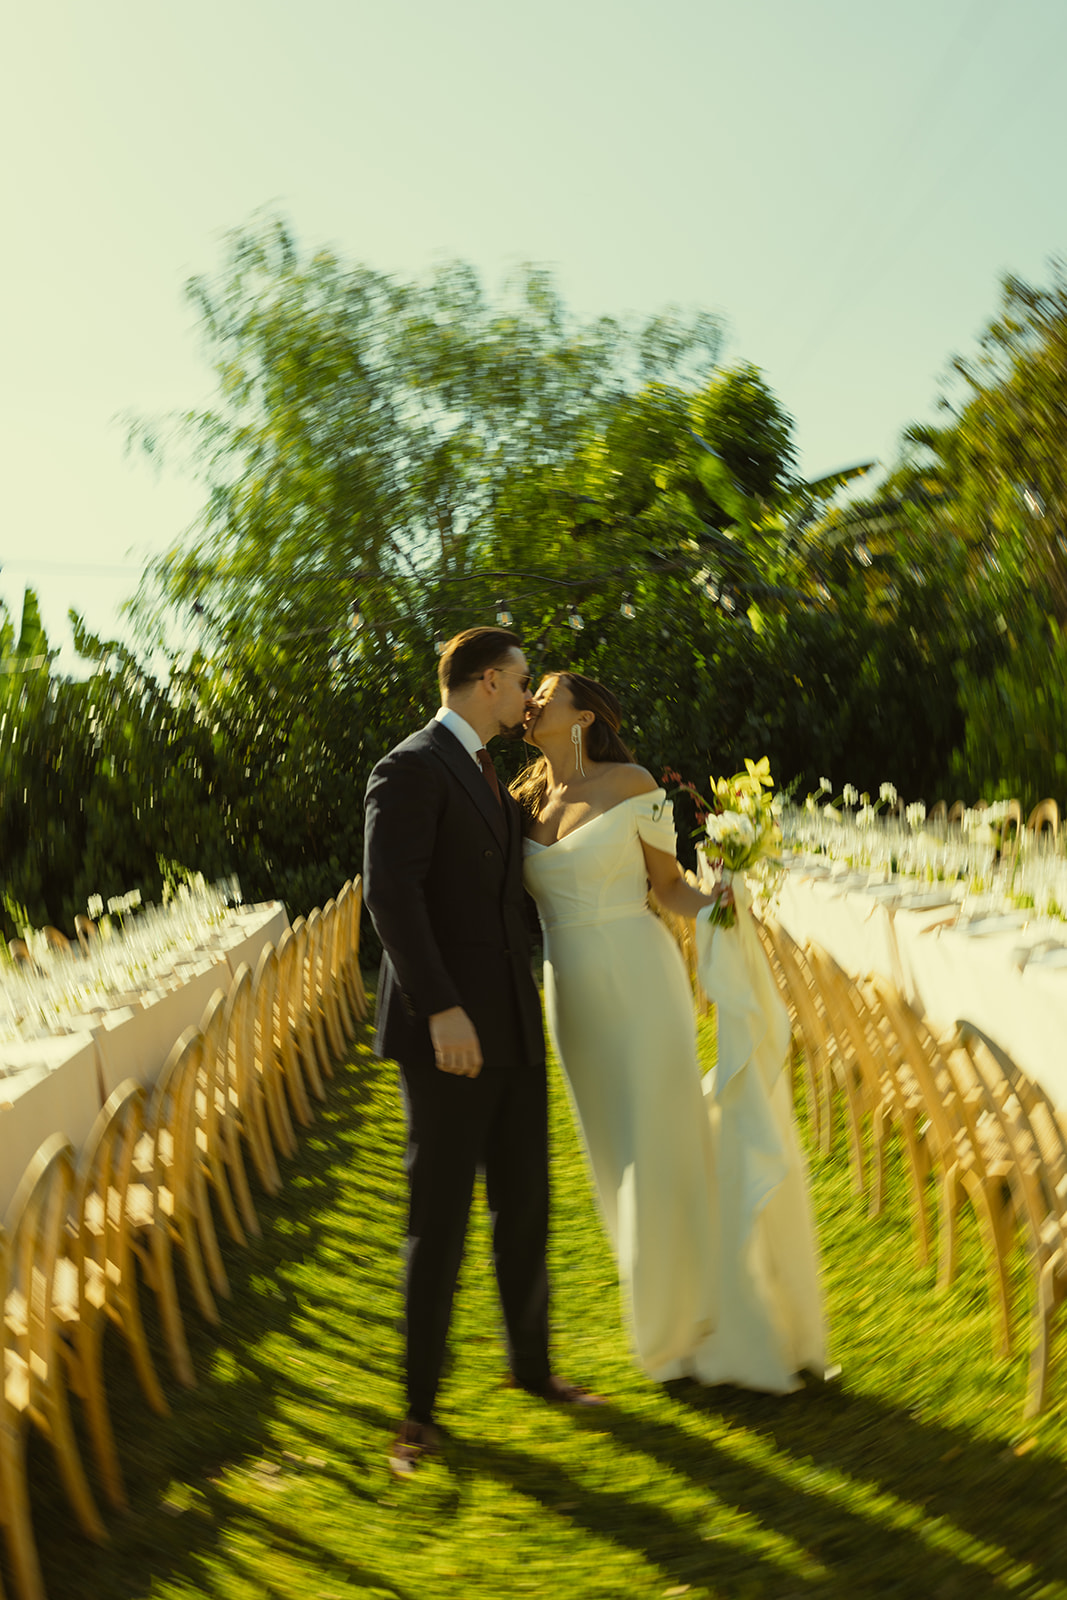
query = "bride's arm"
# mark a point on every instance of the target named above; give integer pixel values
(672, 891)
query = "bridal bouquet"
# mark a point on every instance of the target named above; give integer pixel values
(739, 829)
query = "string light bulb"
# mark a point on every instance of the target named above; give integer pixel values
(628, 609)
(575, 619)
(355, 617)
(503, 615)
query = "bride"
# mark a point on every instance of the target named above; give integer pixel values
(718, 1272)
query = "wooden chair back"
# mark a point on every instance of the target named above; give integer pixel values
(34, 1358)
(1045, 817)
(172, 1196)
(97, 1283)
(353, 974)
(314, 1001)
(811, 1029)
(249, 1092)
(268, 1018)
(295, 1045)
(210, 1171)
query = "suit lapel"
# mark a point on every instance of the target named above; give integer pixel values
(458, 762)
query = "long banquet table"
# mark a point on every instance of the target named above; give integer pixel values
(1003, 971)
(59, 1083)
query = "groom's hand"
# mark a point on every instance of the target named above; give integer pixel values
(455, 1043)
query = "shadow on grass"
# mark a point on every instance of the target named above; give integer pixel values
(827, 1492)
(179, 1518)
(904, 1523)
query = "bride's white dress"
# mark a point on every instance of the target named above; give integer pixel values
(705, 1203)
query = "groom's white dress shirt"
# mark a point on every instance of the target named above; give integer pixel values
(463, 731)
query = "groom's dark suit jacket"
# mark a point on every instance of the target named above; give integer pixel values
(443, 882)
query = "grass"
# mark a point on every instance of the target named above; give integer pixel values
(912, 1475)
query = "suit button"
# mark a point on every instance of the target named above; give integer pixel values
(488, 854)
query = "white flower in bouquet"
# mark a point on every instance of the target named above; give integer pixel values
(888, 794)
(731, 827)
(825, 786)
(95, 906)
(810, 804)
(865, 817)
(915, 814)
(133, 899)
(850, 794)
(116, 905)
(831, 813)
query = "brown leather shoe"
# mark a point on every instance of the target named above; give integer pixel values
(558, 1392)
(414, 1441)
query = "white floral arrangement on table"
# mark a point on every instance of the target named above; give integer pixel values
(739, 830)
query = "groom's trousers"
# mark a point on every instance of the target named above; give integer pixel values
(499, 1122)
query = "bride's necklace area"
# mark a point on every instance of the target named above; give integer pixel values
(567, 808)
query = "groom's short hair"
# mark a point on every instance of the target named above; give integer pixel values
(471, 653)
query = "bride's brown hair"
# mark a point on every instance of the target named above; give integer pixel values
(602, 741)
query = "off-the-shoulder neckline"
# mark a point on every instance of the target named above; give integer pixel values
(646, 794)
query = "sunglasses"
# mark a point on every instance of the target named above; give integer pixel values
(525, 678)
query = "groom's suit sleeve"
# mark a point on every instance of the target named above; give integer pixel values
(402, 810)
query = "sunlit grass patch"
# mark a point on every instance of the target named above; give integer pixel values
(912, 1475)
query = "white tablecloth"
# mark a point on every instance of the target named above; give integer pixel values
(1004, 974)
(57, 1091)
(60, 1083)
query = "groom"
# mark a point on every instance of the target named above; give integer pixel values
(459, 1010)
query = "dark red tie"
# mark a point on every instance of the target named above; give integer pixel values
(489, 773)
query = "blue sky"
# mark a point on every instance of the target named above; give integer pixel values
(843, 181)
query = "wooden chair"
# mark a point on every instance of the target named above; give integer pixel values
(19, 952)
(810, 1032)
(294, 1044)
(869, 1086)
(209, 1174)
(96, 1282)
(1044, 818)
(57, 940)
(353, 975)
(971, 1161)
(248, 1121)
(938, 812)
(1038, 1176)
(313, 998)
(339, 958)
(955, 812)
(1047, 1132)
(164, 1203)
(14, 1490)
(85, 929)
(35, 1386)
(268, 1064)
(327, 973)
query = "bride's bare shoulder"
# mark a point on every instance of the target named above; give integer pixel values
(627, 780)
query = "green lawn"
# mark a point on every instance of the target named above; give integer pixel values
(912, 1475)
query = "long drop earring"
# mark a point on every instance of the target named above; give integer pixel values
(576, 741)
